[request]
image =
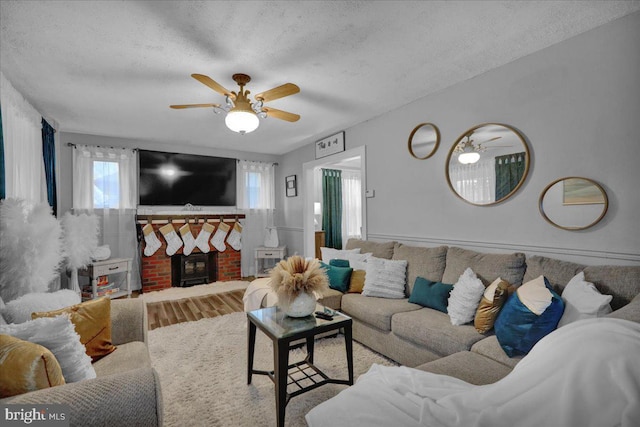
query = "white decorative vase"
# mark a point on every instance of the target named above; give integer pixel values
(301, 306)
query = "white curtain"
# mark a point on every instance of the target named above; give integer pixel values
(475, 182)
(115, 205)
(22, 133)
(351, 205)
(256, 197)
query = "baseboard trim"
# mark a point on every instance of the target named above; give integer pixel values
(627, 258)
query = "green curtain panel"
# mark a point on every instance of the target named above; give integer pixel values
(3, 193)
(332, 207)
(509, 171)
(49, 157)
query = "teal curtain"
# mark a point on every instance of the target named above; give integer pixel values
(509, 171)
(49, 156)
(332, 207)
(3, 193)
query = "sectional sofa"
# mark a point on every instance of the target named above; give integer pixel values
(424, 338)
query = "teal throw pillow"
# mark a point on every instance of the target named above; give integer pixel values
(339, 277)
(339, 262)
(430, 294)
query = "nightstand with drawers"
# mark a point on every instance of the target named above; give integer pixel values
(267, 258)
(107, 267)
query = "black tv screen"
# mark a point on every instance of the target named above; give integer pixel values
(178, 179)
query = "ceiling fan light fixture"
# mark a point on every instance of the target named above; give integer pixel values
(468, 157)
(241, 120)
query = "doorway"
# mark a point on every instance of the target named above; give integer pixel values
(353, 159)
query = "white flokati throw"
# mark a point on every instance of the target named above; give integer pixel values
(585, 374)
(19, 310)
(30, 248)
(465, 298)
(80, 238)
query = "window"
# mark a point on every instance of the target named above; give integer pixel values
(106, 185)
(253, 190)
(255, 185)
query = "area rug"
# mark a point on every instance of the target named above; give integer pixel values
(203, 373)
(175, 293)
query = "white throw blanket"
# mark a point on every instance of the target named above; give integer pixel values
(256, 292)
(584, 374)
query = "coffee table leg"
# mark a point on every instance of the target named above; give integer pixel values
(310, 347)
(348, 343)
(281, 373)
(251, 345)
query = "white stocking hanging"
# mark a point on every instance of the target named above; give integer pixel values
(173, 241)
(218, 238)
(234, 240)
(202, 241)
(152, 244)
(187, 238)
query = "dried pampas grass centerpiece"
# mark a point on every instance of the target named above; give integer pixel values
(298, 282)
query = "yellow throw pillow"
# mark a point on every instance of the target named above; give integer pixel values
(491, 302)
(356, 283)
(25, 366)
(92, 320)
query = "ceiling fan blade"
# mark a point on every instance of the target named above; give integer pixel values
(179, 107)
(282, 115)
(208, 81)
(278, 92)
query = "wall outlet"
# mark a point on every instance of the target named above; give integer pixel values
(370, 193)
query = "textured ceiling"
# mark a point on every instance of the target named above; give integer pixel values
(113, 67)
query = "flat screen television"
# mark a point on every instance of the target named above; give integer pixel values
(175, 179)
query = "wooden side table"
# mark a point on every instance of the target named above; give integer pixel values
(105, 268)
(320, 236)
(264, 253)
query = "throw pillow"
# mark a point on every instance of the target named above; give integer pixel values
(356, 284)
(329, 253)
(465, 297)
(58, 335)
(357, 261)
(339, 263)
(491, 302)
(338, 277)
(92, 320)
(385, 278)
(583, 301)
(529, 314)
(25, 366)
(19, 310)
(430, 294)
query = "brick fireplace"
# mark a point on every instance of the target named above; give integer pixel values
(157, 269)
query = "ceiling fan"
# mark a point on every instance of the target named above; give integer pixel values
(469, 152)
(242, 114)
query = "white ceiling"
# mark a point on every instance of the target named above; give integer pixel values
(113, 67)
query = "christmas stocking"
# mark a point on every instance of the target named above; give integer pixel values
(152, 244)
(218, 238)
(187, 238)
(234, 237)
(202, 241)
(173, 241)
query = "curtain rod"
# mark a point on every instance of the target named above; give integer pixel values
(274, 163)
(71, 144)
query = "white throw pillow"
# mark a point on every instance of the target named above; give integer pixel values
(385, 278)
(329, 253)
(583, 301)
(19, 310)
(59, 336)
(358, 261)
(465, 298)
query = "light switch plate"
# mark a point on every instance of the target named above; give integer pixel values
(370, 193)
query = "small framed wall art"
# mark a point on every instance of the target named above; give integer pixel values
(330, 145)
(291, 186)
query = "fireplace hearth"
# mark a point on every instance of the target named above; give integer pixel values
(194, 269)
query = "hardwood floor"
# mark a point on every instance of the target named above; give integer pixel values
(165, 313)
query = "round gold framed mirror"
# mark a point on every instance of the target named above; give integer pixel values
(573, 203)
(487, 164)
(424, 141)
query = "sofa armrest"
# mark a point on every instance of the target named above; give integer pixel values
(128, 321)
(131, 398)
(630, 311)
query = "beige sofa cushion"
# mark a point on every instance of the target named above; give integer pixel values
(331, 298)
(379, 250)
(376, 312)
(489, 347)
(433, 330)
(422, 262)
(467, 366)
(488, 267)
(622, 282)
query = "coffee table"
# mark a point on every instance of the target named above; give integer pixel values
(283, 330)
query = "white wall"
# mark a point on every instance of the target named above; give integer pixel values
(578, 105)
